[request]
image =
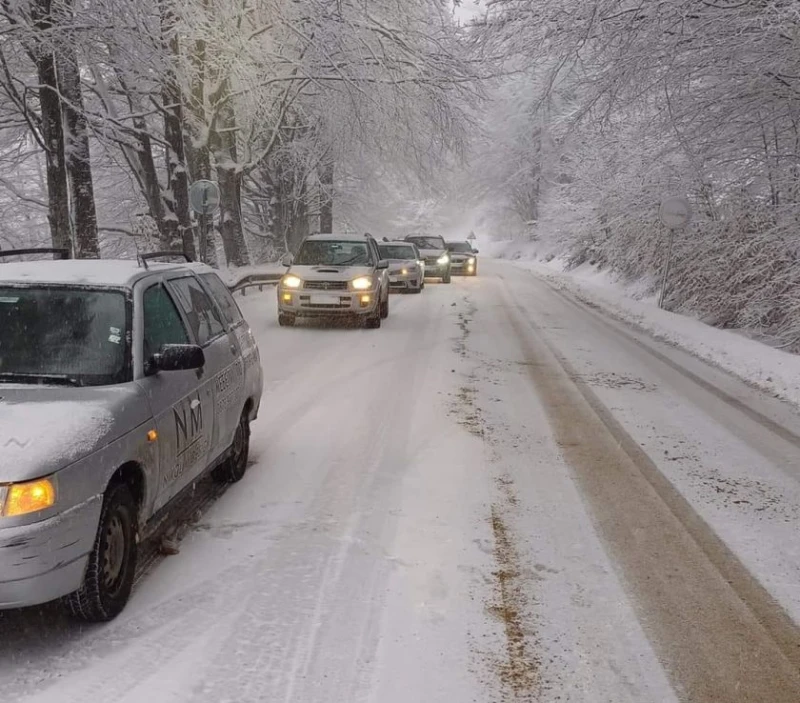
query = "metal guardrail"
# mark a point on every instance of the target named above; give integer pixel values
(255, 280)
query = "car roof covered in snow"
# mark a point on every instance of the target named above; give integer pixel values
(338, 237)
(111, 273)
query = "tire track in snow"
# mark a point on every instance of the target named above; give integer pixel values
(719, 633)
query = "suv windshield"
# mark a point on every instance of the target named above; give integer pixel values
(333, 253)
(63, 335)
(459, 247)
(428, 242)
(397, 251)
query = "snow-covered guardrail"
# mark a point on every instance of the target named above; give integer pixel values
(254, 280)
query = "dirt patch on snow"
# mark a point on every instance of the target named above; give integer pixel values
(519, 672)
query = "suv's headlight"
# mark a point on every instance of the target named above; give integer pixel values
(29, 497)
(362, 283)
(443, 259)
(471, 260)
(291, 282)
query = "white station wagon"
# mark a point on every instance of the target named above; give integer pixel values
(121, 383)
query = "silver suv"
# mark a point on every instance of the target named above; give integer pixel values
(121, 382)
(335, 275)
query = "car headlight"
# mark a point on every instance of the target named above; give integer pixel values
(443, 259)
(404, 272)
(29, 497)
(291, 282)
(471, 260)
(362, 283)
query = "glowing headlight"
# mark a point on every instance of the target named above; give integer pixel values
(404, 272)
(443, 259)
(471, 260)
(30, 497)
(362, 283)
(291, 282)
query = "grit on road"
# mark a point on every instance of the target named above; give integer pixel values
(501, 495)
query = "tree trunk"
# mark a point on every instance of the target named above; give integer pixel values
(179, 226)
(230, 184)
(326, 198)
(76, 148)
(52, 127)
(199, 155)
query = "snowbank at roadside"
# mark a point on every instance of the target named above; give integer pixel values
(765, 367)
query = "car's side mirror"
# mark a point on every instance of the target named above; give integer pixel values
(475, 251)
(177, 357)
(287, 259)
(383, 264)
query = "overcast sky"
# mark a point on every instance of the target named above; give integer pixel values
(468, 9)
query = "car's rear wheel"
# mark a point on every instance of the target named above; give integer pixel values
(285, 320)
(235, 466)
(112, 562)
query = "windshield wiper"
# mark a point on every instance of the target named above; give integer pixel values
(39, 378)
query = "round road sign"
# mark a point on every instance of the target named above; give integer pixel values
(204, 197)
(675, 212)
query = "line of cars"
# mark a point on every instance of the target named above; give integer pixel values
(351, 275)
(123, 382)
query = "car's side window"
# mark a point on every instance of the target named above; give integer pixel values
(204, 318)
(223, 297)
(162, 322)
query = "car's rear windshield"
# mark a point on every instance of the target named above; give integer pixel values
(428, 242)
(333, 253)
(63, 335)
(397, 251)
(459, 247)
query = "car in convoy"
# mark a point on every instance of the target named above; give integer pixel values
(121, 383)
(335, 275)
(463, 259)
(406, 267)
(434, 253)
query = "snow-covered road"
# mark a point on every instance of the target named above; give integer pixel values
(499, 496)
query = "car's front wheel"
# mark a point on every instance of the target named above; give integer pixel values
(446, 277)
(235, 466)
(285, 320)
(385, 308)
(112, 562)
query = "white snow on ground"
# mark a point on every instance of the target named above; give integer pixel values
(358, 558)
(765, 367)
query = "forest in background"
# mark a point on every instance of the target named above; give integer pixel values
(112, 108)
(564, 122)
(610, 106)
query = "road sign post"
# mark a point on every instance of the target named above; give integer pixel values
(675, 213)
(204, 199)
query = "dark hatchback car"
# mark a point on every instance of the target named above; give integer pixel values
(463, 259)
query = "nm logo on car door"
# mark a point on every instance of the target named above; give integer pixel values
(188, 426)
(190, 438)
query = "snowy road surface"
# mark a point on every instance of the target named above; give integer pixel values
(499, 496)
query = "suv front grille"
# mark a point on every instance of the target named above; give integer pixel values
(325, 285)
(432, 261)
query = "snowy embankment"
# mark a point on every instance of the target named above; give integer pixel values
(756, 363)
